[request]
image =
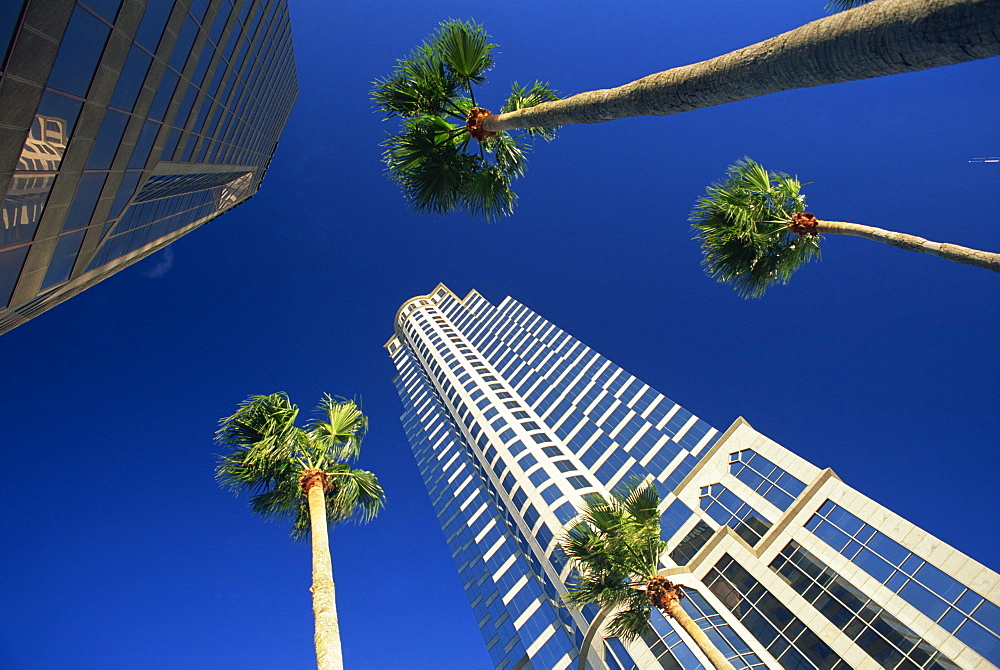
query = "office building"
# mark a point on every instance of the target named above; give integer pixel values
(512, 421)
(125, 124)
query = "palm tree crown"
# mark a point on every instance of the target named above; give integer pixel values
(275, 461)
(432, 156)
(615, 547)
(744, 224)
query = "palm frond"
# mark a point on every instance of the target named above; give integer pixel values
(521, 97)
(428, 164)
(487, 193)
(841, 5)
(355, 494)
(337, 436)
(465, 49)
(269, 453)
(508, 153)
(742, 223)
(420, 84)
(628, 624)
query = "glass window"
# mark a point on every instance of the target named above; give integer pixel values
(144, 144)
(63, 258)
(108, 140)
(163, 94)
(87, 193)
(153, 23)
(11, 262)
(79, 53)
(182, 47)
(131, 79)
(125, 192)
(106, 8)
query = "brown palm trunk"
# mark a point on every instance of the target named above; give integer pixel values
(951, 252)
(880, 38)
(715, 657)
(327, 637)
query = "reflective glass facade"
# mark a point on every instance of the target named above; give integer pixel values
(511, 420)
(125, 124)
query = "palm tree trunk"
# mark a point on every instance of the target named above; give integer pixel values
(327, 637)
(880, 38)
(951, 252)
(715, 657)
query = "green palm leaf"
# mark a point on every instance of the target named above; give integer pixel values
(486, 193)
(420, 84)
(614, 547)
(742, 223)
(465, 49)
(521, 97)
(268, 455)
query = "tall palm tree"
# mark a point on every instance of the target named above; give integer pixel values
(432, 157)
(440, 171)
(876, 39)
(755, 232)
(615, 548)
(300, 475)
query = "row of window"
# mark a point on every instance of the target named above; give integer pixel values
(939, 596)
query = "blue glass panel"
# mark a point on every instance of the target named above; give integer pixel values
(888, 549)
(63, 258)
(87, 194)
(11, 262)
(985, 643)
(846, 521)
(108, 140)
(923, 600)
(988, 615)
(79, 53)
(131, 79)
(153, 23)
(106, 8)
(940, 583)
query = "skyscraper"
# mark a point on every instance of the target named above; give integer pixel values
(125, 124)
(512, 421)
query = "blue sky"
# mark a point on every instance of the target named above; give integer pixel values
(120, 551)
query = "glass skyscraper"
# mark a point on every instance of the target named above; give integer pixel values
(125, 124)
(512, 420)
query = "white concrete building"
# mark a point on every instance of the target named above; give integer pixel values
(512, 420)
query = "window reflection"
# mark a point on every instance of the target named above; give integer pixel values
(29, 187)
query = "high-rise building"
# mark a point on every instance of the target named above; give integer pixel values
(512, 421)
(125, 124)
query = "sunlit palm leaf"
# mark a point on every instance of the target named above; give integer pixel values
(487, 193)
(419, 85)
(841, 5)
(339, 432)
(521, 97)
(508, 153)
(465, 49)
(271, 475)
(742, 223)
(615, 545)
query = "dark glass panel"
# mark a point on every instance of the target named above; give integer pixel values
(79, 53)
(108, 140)
(106, 8)
(144, 145)
(87, 193)
(182, 47)
(131, 79)
(63, 258)
(10, 12)
(11, 262)
(164, 93)
(125, 192)
(153, 23)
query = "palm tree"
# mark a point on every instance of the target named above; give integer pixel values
(299, 475)
(440, 172)
(755, 232)
(841, 5)
(432, 156)
(615, 548)
(879, 38)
